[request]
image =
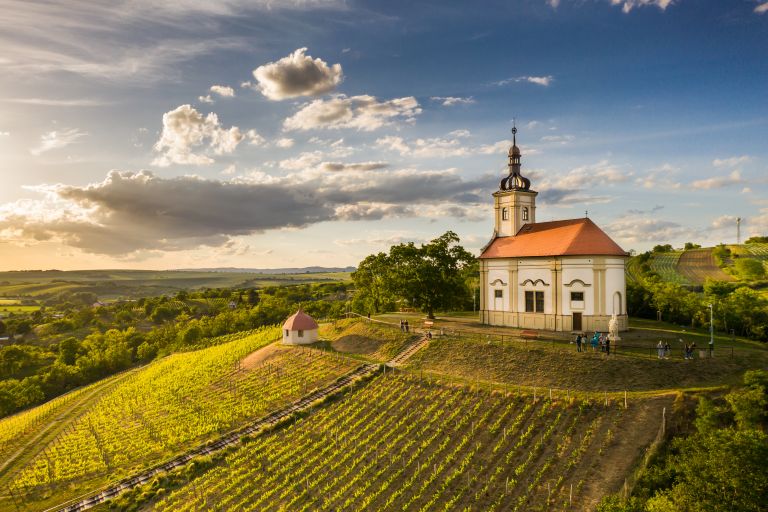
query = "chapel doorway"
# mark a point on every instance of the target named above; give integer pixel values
(577, 322)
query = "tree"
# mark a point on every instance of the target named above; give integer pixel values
(372, 282)
(431, 276)
(691, 245)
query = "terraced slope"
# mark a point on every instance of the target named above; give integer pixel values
(759, 251)
(400, 443)
(697, 265)
(170, 405)
(666, 265)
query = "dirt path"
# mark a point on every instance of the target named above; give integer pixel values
(623, 452)
(262, 355)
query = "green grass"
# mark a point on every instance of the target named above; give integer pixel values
(367, 340)
(17, 309)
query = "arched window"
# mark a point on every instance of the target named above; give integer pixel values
(525, 213)
(505, 214)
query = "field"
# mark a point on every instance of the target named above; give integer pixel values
(403, 443)
(154, 413)
(666, 265)
(759, 251)
(125, 284)
(698, 264)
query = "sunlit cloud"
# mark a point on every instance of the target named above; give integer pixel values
(297, 75)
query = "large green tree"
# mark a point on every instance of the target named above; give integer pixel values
(429, 276)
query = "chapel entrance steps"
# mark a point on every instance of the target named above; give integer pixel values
(411, 349)
(110, 491)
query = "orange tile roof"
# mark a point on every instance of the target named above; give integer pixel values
(573, 237)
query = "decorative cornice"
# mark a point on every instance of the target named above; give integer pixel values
(534, 283)
(586, 285)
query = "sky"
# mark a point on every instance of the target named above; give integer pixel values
(265, 134)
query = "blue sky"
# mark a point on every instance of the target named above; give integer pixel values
(270, 134)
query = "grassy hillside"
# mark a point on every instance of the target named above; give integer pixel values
(373, 341)
(154, 413)
(401, 443)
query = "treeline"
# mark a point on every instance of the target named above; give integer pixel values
(736, 306)
(438, 276)
(88, 344)
(719, 466)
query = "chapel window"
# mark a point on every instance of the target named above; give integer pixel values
(577, 296)
(301, 334)
(505, 214)
(498, 293)
(525, 213)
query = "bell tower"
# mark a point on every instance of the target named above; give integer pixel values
(514, 203)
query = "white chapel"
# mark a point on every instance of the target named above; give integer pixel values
(564, 275)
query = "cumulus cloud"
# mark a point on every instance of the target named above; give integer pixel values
(223, 90)
(57, 139)
(572, 185)
(284, 142)
(634, 229)
(762, 8)
(726, 221)
(733, 161)
(297, 75)
(364, 113)
(254, 138)
(733, 178)
(660, 178)
(185, 130)
(450, 101)
(758, 225)
(139, 211)
(440, 146)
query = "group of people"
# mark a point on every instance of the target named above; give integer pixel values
(663, 350)
(404, 326)
(598, 340)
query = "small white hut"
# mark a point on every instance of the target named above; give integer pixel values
(299, 329)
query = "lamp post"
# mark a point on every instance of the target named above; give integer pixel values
(711, 329)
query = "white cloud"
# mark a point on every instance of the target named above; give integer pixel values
(635, 229)
(544, 81)
(762, 8)
(718, 181)
(733, 161)
(57, 139)
(285, 142)
(558, 139)
(726, 221)
(254, 138)
(553, 3)
(439, 146)
(223, 90)
(450, 101)
(5, 134)
(362, 112)
(758, 225)
(571, 187)
(185, 129)
(205, 99)
(628, 5)
(660, 178)
(297, 75)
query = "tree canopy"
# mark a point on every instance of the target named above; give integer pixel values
(428, 277)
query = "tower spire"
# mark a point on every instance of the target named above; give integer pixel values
(515, 180)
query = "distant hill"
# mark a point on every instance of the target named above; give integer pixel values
(293, 270)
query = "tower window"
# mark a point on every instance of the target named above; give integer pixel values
(505, 214)
(525, 213)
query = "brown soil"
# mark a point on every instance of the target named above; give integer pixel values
(262, 355)
(356, 344)
(698, 264)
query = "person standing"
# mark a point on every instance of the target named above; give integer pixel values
(578, 343)
(660, 349)
(595, 341)
(407, 326)
(607, 346)
(667, 350)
